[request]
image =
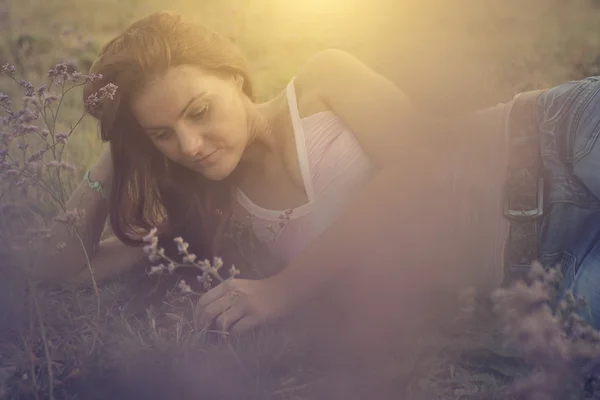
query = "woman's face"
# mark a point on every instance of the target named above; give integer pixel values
(196, 119)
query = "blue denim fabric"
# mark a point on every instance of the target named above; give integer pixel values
(569, 121)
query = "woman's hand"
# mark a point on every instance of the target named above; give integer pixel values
(241, 304)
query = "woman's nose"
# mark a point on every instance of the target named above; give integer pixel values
(191, 143)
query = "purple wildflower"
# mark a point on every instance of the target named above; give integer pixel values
(60, 71)
(104, 93)
(61, 137)
(7, 69)
(29, 89)
(50, 98)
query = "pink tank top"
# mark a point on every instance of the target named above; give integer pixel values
(333, 167)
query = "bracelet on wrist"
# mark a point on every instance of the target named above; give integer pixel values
(95, 185)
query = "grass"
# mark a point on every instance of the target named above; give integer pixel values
(140, 343)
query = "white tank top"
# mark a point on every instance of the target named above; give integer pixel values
(333, 167)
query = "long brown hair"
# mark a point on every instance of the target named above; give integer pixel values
(148, 190)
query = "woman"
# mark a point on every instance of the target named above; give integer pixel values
(390, 198)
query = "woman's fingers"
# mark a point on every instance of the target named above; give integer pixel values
(206, 313)
(212, 295)
(245, 324)
(230, 317)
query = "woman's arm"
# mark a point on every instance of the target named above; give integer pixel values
(397, 139)
(112, 258)
(65, 256)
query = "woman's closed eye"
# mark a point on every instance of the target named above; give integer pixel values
(161, 135)
(200, 113)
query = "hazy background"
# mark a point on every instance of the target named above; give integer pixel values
(447, 55)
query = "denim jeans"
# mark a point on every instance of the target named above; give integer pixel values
(569, 235)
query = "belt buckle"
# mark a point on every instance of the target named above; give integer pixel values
(526, 215)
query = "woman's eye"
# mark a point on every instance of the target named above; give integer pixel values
(200, 113)
(163, 135)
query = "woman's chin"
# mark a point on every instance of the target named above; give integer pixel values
(215, 172)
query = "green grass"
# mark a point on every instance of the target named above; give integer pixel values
(448, 56)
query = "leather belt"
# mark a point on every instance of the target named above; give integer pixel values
(524, 186)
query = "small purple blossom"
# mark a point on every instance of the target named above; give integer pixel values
(104, 93)
(27, 115)
(36, 156)
(59, 71)
(7, 69)
(50, 98)
(92, 78)
(29, 90)
(25, 129)
(61, 137)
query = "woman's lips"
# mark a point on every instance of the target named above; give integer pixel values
(207, 159)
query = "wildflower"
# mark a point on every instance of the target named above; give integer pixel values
(29, 90)
(233, 271)
(171, 267)
(149, 238)
(4, 100)
(205, 280)
(217, 262)
(61, 137)
(184, 287)
(60, 71)
(182, 246)
(50, 98)
(189, 258)
(104, 93)
(7, 70)
(157, 269)
(91, 78)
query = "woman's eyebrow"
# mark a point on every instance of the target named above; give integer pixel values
(181, 114)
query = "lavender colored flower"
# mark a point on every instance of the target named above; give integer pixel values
(27, 115)
(22, 129)
(35, 156)
(7, 69)
(29, 90)
(50, 98)
(60, 71)
(104, 93)
(92, 78)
